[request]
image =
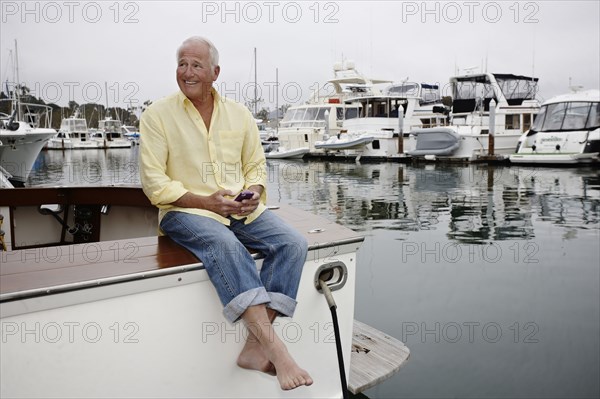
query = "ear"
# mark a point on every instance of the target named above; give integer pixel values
(216, 72)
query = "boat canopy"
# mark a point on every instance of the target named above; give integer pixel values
(70, 125)
(473, 92)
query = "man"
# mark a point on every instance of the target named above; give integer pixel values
(197, 151)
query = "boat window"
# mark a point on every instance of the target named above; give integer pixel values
(351, 113)
(526, 122)
(538, 122)
(299, 115)
(555, 116)
(512, 122)
(593, 121)
(288, 115)
(406, 89)
(310, 114)
(321, 114)
(429, 95)
(576, 116)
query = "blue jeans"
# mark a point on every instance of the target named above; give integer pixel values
(233, 272)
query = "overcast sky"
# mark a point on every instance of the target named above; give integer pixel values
(77, 50)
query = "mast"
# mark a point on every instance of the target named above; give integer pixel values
(18, 85)
(277, 102)
(255, 85)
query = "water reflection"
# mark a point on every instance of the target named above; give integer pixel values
(472, 203)
(86, 167)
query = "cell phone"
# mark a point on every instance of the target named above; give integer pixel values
(246, 194)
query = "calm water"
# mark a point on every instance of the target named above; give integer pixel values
(490, 275)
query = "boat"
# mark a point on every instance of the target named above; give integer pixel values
(566, 131)
(110, 134)
(131, 133)
(94, 304)
(73, 133)
(484, 105)
(322, 115)
(380, 127)
(345, 141)
(23, 134)
(282, 153)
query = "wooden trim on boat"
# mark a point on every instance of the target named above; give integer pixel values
(47, 270)
(113, 195)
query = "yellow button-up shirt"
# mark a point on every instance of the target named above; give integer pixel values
(179, 155)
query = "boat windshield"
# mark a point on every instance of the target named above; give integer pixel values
(309, 116)
(111, 126)
(567, 116)
(73, 125)
(430, 94)
(404, 90)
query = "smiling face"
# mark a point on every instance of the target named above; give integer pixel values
(195, 72)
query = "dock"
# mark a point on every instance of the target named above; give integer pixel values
(375, 357)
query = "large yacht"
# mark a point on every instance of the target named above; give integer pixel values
(322, 115)
(566, 131)
(504, 103)
(377, 126)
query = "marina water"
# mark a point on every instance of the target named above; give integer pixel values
(489, 274)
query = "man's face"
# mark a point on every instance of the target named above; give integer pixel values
(195, 75)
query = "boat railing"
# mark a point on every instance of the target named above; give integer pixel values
(36, 115)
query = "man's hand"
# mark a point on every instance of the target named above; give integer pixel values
(222, 203)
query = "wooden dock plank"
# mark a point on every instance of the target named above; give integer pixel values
(375, 357)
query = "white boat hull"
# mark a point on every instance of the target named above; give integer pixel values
(135, 329)
(161, 337)
(558, 158)
(20, 149)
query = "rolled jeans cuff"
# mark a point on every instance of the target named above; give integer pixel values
(281, 303)
(238, 305)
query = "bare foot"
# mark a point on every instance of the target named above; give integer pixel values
(253, 357)
(289, 374)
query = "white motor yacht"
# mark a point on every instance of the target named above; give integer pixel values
(509, 100)
(322, 115)
(23, 134)
(378, 126)
(566, 131)
(110, 134)
(73, 133)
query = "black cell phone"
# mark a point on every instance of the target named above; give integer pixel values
(246, 194)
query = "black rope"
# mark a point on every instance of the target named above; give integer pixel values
(340, 354)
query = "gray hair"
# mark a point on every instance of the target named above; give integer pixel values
(213, 53)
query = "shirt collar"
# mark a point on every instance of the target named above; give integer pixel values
(183, 99)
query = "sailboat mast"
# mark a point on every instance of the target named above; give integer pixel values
(18, 84)
(277, 101)
(255, 85)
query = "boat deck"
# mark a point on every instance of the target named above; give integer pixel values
(46, 270)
